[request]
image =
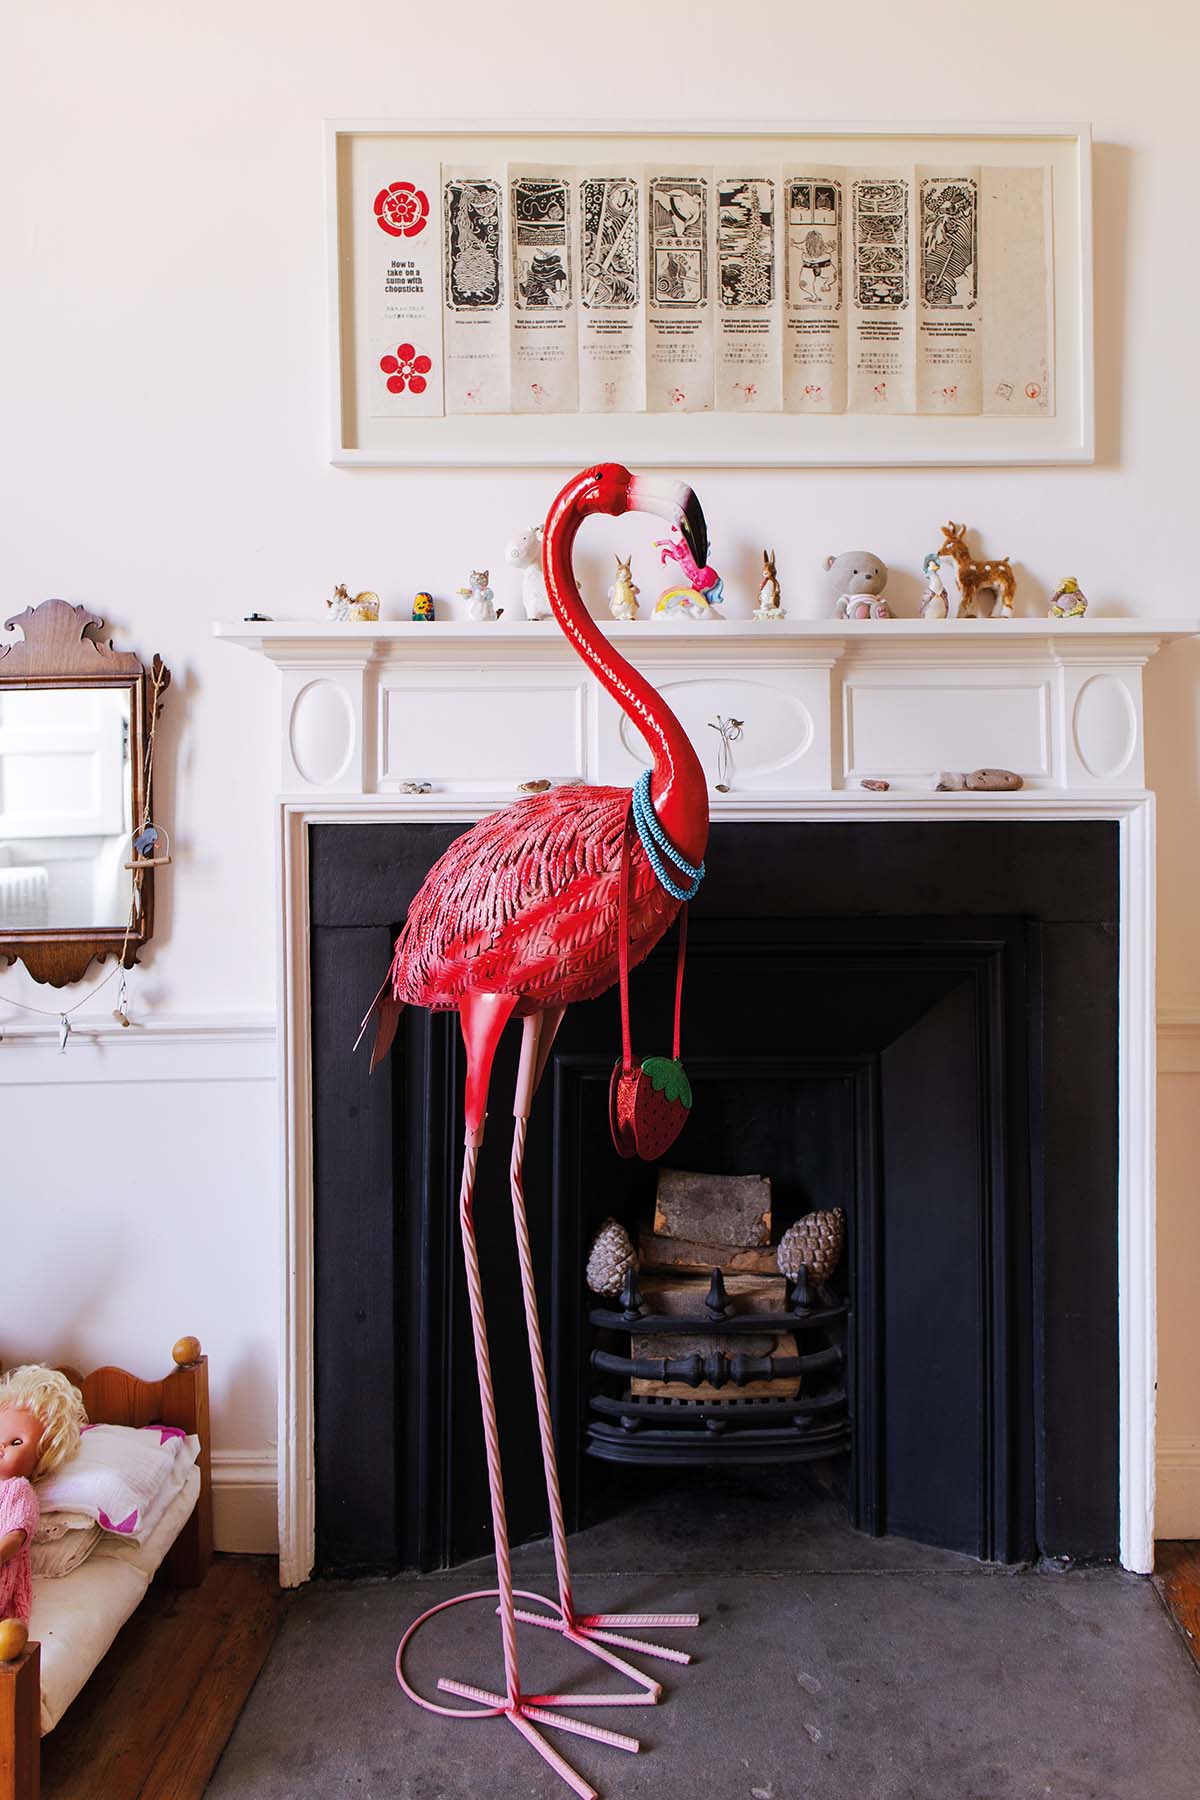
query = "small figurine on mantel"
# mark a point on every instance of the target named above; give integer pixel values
(480, 599)
(934, 602)
(623, 594)
(700, 592)
(363, 609)
(768, 590)
(525, 552)
(978, 577)
(422, 611)
(1068, 601)
(857, 580)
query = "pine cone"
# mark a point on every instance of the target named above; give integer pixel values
(610, 1259)
(816, 1241)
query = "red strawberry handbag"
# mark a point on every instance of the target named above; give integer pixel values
(648, 1105)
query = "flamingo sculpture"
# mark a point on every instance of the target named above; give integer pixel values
(521, 917)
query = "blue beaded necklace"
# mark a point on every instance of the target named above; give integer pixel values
(654, 839)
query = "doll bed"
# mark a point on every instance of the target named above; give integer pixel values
(76, 1617)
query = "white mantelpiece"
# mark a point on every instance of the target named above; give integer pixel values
(476, 709)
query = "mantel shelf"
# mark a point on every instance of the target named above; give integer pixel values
(273, 636)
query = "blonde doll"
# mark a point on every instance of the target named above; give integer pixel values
(41, 1416)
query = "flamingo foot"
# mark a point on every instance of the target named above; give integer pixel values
(590, 1631)
(526, 1711)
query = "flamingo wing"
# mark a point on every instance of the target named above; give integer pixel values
(527, 901)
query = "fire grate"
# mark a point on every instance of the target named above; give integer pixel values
(672, 1430)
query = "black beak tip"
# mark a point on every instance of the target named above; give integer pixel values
(695, 529)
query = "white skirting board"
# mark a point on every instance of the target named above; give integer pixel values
(246, 1502)
(1177, 1507)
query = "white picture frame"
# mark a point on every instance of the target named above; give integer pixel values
(719, 439)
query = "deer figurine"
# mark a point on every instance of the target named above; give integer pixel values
(978, 577)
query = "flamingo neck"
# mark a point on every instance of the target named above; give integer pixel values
(677, 788)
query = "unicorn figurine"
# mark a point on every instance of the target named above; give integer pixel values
(525, 552)
(701, 591)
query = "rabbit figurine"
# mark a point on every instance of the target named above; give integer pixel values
(768, 590)
(623, 595)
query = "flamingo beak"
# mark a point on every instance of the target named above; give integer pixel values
(673, 500)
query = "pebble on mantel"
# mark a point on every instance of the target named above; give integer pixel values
(994, 781)
(979, 781)
(876, 787)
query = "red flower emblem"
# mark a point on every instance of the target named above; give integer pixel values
(405, 370)
(402, 210)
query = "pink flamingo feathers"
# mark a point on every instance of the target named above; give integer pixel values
(520, 916)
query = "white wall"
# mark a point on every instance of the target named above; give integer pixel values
(165, 428)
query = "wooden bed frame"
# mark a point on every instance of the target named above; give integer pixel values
(114, 1397)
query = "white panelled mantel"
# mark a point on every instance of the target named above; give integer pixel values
(466, 712)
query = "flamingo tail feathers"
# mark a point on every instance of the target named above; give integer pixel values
(385, 1010)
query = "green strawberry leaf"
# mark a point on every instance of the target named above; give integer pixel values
(667, 1077)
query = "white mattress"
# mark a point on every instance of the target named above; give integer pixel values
(76, 1617)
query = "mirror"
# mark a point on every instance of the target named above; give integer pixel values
(76, 754)
(66, 808)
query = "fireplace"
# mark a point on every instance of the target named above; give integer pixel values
(395, 736)
(915, 1021)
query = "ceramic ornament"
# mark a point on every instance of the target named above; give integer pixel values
(623, 595)
(934, 603)
(363, 609)
(769, 606)
(537, 906)
(525, 552)
(700, 592)
(1068, 601)
(479, 598)
(422, 609)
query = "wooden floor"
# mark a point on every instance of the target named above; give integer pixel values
(154, 1718)
(1177, 1578)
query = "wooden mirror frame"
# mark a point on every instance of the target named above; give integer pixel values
(58, 650)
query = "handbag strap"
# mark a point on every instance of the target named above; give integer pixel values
(623, 945)
(623, 954)
(680, 954)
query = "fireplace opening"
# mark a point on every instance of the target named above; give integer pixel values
(915, 1023)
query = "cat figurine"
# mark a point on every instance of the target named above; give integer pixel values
(479, 598)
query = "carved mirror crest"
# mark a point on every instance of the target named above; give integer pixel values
(78, 848)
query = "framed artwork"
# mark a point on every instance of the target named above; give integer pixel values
(770, 296)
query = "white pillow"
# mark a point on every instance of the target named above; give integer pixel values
(56, 1525)
(122, 1477)
(58, 1556)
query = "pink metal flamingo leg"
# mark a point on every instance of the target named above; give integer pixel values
(586, 1630)
(483, 1018)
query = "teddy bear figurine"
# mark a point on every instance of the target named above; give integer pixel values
(856, 581)
(41, 1417)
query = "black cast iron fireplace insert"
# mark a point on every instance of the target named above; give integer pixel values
(915, 1021)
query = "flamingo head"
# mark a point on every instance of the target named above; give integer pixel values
(610, 488)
